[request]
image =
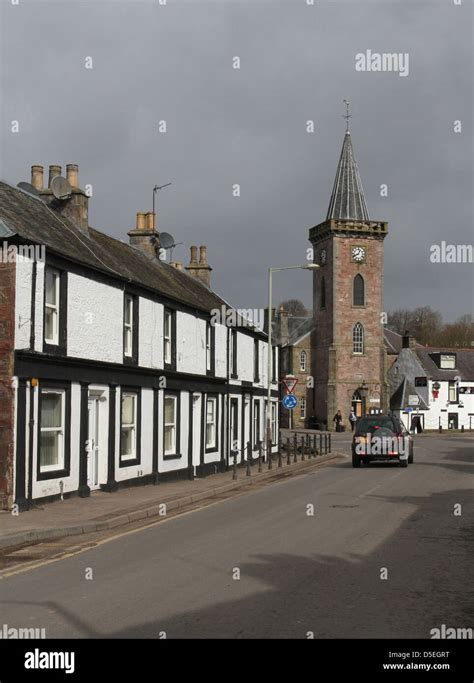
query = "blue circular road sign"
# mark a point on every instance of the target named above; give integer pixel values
(289, 402)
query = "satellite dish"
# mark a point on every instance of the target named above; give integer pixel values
(167, 240)
(61, 188)
(29, 188)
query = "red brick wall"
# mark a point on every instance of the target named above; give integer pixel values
(337, 371)
(7, 340)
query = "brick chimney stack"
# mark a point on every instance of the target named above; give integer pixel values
(144, 236)
(201, 270)
(76, 208)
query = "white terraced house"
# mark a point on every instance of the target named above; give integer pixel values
(112, 371)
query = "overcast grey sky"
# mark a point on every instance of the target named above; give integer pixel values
(173, 62)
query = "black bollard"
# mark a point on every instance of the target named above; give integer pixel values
(234, 469)
(295, 448)
(249, 455)
(302, 448)
(280, 463)
(259, 456)
(288, 450)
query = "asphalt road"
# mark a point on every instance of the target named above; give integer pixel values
(299, 573)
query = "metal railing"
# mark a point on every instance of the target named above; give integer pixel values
(297, 445)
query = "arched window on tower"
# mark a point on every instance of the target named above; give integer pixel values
(323, 293)
(358, 293)
(358, 339)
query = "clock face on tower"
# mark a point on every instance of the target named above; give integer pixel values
(323, 256)
(358, 254)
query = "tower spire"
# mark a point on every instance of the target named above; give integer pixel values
(348, 199)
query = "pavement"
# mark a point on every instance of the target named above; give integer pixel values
(102, 511)
(335, 552)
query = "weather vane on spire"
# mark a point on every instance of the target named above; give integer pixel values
(347, 116)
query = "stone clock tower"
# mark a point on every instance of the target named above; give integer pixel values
(348, 358)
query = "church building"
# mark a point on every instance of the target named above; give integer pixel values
(348, 350)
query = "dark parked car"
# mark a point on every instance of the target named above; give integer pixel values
(381, 437)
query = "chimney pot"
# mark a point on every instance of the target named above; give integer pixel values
(37, 177)
(151, 221)
(54, 170)
(72, 174)
(140, 220)
(202, 270)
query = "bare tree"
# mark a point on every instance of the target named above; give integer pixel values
(459, 333)
(427, 327)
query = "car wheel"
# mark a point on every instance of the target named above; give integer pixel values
(355, 460)
(403, 463)
(366, 461)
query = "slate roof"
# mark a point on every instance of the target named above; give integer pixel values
(348, 199)
(464, 363)
(399, 398)
(300, 328)
(33, 221)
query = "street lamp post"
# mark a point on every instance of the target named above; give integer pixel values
(268, 422)
(363, 391)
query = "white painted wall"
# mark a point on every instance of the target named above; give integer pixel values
(23, 284)
(244, 357)
(150, 334)
(440, 408)
(39, 300)
(95, 320)
(221, 351)
(190, 344)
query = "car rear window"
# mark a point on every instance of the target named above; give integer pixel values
(367, 425)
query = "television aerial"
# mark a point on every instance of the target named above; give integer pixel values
(61, 188)
(155, 190)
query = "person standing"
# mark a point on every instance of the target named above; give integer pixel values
(337, 419)
(352, 419)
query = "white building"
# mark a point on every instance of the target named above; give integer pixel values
(434, 384)
(113, 370)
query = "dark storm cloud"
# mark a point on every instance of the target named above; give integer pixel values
(247, 126)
